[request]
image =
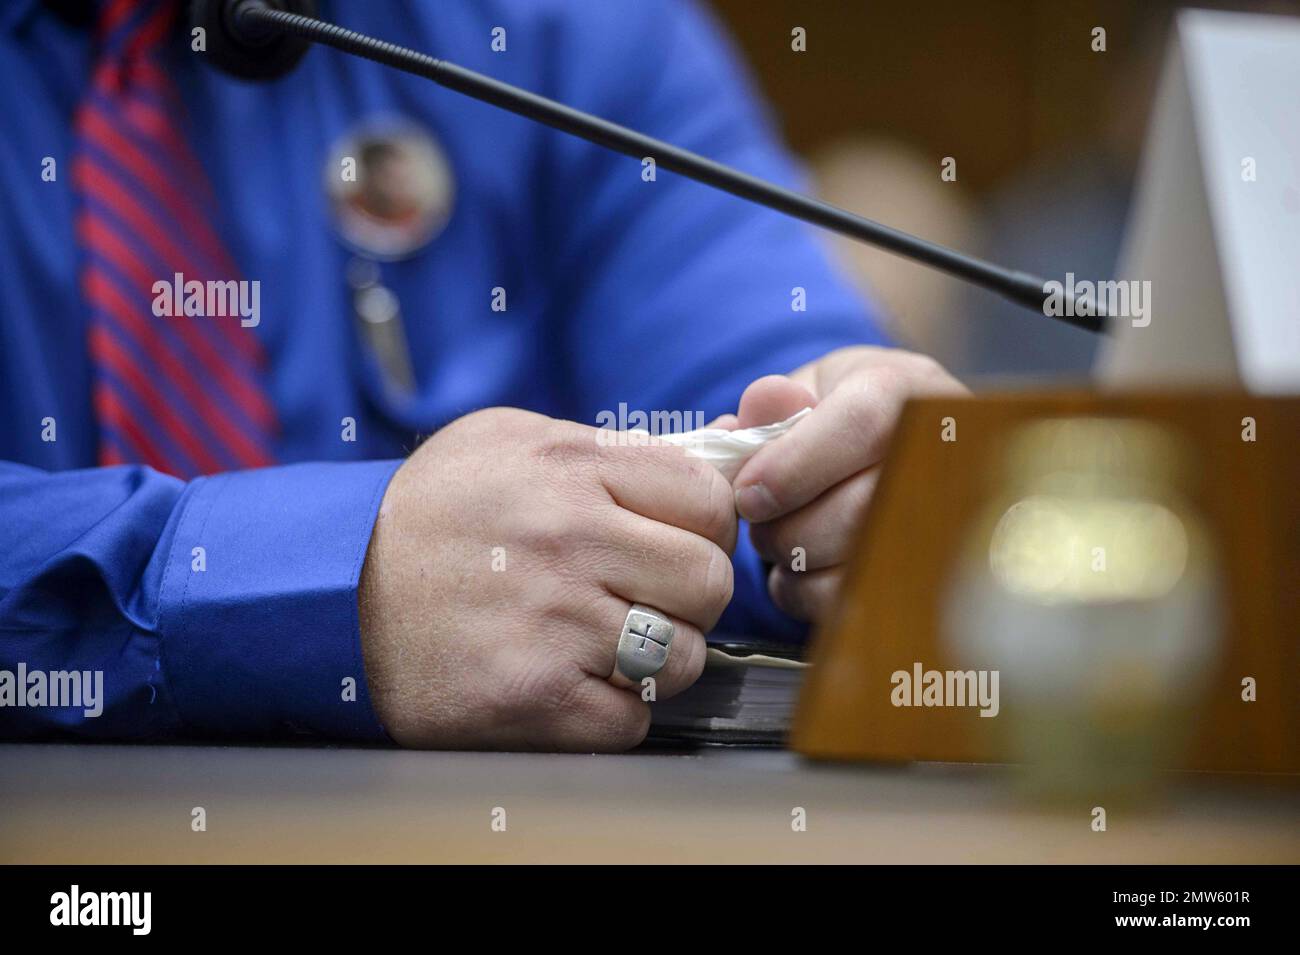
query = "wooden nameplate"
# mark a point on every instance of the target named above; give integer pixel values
(930, 492)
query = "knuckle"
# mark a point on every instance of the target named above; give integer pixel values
(856, 497)
(614, 725)
(631, 726)
(920, 373)
(924, 366)
(565, 451)
(781, 589)
(717, 582)
(693, 664)
(720, 505)
(932, 378)
(548, 532)
(530, 689)
(570, 616)
(864, 414)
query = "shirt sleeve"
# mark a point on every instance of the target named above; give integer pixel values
(221, 607)
(681, 295)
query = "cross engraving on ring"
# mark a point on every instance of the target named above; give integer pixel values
(644, 628)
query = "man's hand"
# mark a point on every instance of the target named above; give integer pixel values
(810, 488)
(507, 553)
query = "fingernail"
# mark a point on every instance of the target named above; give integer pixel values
(755, 502)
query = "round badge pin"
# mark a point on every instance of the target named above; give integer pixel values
(391, 189)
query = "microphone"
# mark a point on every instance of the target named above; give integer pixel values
(250, 50)
(264, 39)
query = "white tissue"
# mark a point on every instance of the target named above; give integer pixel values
(728, 450)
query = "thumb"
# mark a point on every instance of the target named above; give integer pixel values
(773, 398)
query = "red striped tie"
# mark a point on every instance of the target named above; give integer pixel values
(183, 394)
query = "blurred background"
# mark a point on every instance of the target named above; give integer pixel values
(1045, 133)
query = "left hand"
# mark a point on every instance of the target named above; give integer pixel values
(810, 488)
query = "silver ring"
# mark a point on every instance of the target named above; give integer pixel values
(643, 644)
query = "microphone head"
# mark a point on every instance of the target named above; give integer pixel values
(246, 51)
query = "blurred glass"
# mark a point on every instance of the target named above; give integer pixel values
(1090, 583)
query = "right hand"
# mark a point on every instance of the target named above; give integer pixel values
(459, 655)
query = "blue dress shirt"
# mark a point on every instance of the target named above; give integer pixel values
(605, 273)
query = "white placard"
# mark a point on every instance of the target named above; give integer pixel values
(1215, 225)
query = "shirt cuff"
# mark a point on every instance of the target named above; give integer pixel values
(260, 629)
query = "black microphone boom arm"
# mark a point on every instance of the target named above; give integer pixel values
(252, 21)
